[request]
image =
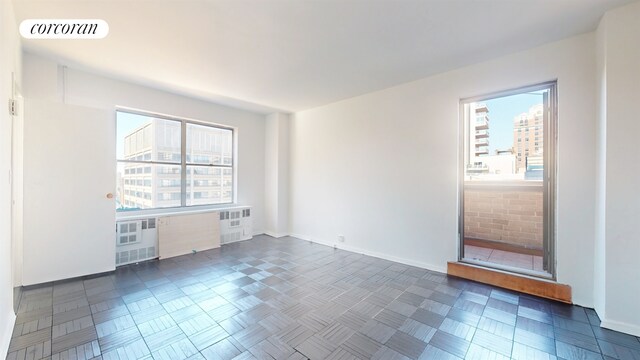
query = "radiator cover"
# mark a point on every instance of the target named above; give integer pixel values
(139, 242)
(136, 240)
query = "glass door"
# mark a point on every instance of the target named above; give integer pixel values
(507, 185)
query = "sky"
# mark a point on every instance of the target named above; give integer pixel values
(501, 113)
(125, 123)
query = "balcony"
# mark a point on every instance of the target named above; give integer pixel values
(482, 150)
(482, 142)
(482, 123)
(499, 232)
(482, 134)
(481, 108)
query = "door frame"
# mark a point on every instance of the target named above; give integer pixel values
(17, 176)
(550, 138)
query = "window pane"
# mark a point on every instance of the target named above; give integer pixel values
(142, 139)
(154, 186)
(209, 145)
(209, 185)
(501, 145)
(145, 138)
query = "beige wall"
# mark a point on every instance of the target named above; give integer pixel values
(509, 216)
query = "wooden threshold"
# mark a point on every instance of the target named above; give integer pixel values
(497, 245)
(523, 284)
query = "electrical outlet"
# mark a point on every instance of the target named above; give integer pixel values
(340, 238)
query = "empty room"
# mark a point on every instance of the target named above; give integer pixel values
(319, 179)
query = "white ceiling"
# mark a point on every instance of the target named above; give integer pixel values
(291, 55)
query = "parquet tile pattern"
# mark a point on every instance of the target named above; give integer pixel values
(286, 298)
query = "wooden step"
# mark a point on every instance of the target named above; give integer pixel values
(528, 285)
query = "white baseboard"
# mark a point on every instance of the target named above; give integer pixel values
(626, 328)
(301, 237)
(440, 269)
(275, 235)
(6, 339)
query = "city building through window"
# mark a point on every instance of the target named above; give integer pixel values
(167, 162)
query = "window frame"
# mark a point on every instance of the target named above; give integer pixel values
(183, 157)
(549, 182)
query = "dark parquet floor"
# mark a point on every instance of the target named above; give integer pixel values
(289, 299)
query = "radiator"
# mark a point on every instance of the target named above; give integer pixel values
(136, 240)
(184, 234)
(148, 238)
(236, 225)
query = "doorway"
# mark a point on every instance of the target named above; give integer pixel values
(507, 182)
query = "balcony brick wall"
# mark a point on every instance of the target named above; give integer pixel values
(510, 216)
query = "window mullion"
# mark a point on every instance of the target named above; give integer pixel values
(207, 169)
(183, 163)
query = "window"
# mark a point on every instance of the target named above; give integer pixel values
(521, 162)
(179, 162)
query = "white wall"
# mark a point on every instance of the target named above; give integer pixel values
(601, 168)
(617, 267)
(271, 174)
(9, 63)
(44, 80)
(381, 168)
(17, 193)
(277, 174)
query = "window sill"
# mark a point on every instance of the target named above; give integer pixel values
(138, 214)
